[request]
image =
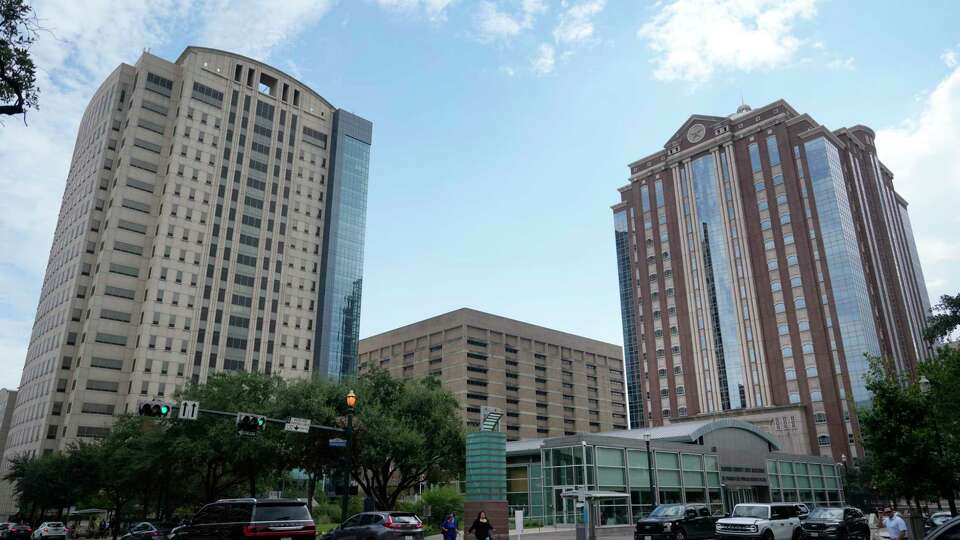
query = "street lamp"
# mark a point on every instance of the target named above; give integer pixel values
(650, 472)
(351, 404)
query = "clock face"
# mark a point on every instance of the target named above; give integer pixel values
(696, 133)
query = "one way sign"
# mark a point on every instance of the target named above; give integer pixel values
(189, 410)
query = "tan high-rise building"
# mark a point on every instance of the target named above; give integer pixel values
(8, 401)
(548, 383)
(761, 256)
(212, 220)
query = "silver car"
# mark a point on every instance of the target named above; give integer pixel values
(50, 529)
(379, 526)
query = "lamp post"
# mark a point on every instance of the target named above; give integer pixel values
(351, 403)
(650, 472)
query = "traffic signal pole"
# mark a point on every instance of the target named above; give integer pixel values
(213, 412)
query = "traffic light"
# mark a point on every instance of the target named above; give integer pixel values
(250, 423)
(155, 408)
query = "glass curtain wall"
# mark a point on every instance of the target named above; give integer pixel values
(815, 484)
(679, 477)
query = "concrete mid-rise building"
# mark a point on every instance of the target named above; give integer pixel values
(761, 256)
(548, 383)
(212, 220)
(8, 401)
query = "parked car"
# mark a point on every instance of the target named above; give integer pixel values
(836, 524)
(3, 529)
(676, 522)
(937, 519)
(19, 531)
(763, 521)
(51, 530)
(234, 519)
(146, 531)
(379, 526)
(950, 530)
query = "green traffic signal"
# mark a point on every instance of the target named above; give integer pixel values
(261, 422)
(164, 410)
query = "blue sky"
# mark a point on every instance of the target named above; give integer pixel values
(503, 128)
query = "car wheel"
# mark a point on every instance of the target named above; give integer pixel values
(680, 534)
(796, 534)
(767, 535)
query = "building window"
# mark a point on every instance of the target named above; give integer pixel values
(794, 397)
(820, 418)
(823, 440)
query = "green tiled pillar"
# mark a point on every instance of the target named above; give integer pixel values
(486, 466)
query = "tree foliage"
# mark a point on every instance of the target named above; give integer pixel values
(147, 467)
(407, 431)
(944, 320)
(911, 430)
(18, 78)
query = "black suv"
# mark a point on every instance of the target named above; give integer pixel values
(676, 522)
(835, 524)
(233, 519)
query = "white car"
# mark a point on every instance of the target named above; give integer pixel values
(50, 529)
(763, 521)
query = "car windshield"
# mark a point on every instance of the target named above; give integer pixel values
(668, 510)
(826, 513)
(282, 512)
(751, 511)
(55, 525)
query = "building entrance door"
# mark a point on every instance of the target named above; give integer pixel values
(566, 507)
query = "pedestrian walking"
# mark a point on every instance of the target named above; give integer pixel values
(895, 525)
(449, 527)
(482, 527)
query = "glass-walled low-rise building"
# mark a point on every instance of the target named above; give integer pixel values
(718, 463)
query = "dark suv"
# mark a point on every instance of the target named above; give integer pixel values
(676, 522)
(379, 526)
(233, 519)
(836, 524)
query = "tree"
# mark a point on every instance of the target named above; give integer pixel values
(317, 400)
(940, 378)
(944, 320)
(226, 458)
(894, 434)
(405, 430)
(18, 79)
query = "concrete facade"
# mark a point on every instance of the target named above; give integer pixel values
(760, 257)
(787, 424)
(8, 401)
(547, 382)
(199, 232)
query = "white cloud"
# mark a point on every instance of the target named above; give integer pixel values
(692, 39)
(246, 27)
(79, 46)
(576, 22)
(435, 10)
(542, 63)
(949, 58)
(921, 152)
(493, 23)
(842, 64)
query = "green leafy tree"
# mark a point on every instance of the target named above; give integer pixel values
(315, 399)
(944, 320)
(940, 380)
(227, 459)
(405, 430)
(18, 78)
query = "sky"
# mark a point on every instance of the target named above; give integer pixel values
(503, 128)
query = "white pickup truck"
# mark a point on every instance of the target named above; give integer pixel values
(760, 521)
